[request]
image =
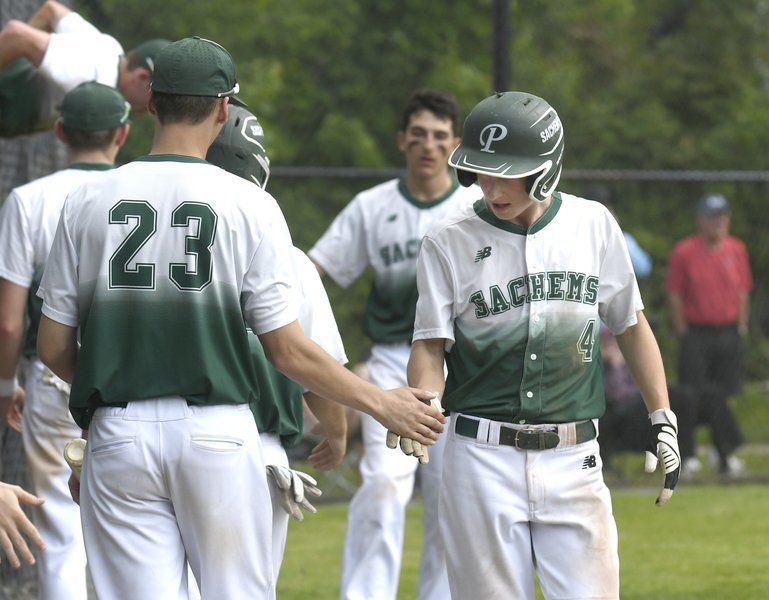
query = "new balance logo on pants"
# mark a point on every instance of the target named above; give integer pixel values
(589, 462)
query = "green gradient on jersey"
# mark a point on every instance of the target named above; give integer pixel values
(491, 370)
(392, 306)
(392, 303)
(140, 344)
(279, 409)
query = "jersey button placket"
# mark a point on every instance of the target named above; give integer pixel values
(532, 360)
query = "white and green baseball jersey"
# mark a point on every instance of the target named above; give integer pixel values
(382, 227)
(28, 221)
(158, 262)
(279, 409)
(521, 309)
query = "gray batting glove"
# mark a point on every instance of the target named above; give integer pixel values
(74, 452)
(412, 447)
(294, 487)
(663, 447)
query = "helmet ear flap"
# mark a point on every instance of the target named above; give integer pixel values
(466, 178)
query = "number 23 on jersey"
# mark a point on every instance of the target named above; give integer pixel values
(142, 275)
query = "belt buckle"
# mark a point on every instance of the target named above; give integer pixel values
(541, 435)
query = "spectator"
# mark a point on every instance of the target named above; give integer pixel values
(57, 49)
(624, 426)
(708, 283)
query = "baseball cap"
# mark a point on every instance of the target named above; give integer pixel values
(712, 204)
(195, 66)
(92, 106)
(146, 51)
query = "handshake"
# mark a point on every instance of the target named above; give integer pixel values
(412, 447)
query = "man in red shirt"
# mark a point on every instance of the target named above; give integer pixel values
(708, 283)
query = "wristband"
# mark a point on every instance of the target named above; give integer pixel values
(8, 387)
(663, 416)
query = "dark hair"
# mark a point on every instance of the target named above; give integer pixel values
(441, 104)
(174, 108)
(88, 140)
(134, 61)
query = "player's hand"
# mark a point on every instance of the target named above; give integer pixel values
(294, 487)
(663, 448)
(329, 453)
(408, 412)
(14, 523)
(74, 488)
(412, 447)
(11, 408)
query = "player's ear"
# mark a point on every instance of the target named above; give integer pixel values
(455, 143)
(59, 131)
(122, 134)
(223, 110)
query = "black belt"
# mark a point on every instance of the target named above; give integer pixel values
(526, 438)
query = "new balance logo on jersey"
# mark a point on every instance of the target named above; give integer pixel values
(392, 217)
(589, 462)
(483, 253)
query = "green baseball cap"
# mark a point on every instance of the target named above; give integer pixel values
(92, 106)
(195, 66)
(146, 51)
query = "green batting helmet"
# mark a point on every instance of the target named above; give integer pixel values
(239, 147)
(512, 135)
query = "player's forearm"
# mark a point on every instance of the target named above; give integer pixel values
(57, 348)
(13, 300)
(330, 415)
(425, 368)
(642, 354)
(11, 338)
(302, 360)
(48, 16)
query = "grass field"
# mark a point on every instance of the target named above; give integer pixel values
(708, 543)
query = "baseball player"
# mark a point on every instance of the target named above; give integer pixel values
(382, 227)
(93, 125)
(512, 291)
(57, 49)
(240, 149)
(14, 523)
(158, 263)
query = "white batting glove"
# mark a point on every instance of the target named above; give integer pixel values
(412, 447)
(294, 487)
(74, 452)
(663, 447)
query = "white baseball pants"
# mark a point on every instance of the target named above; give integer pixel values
(163, 483)
(46, 427)
(373, 546)
(506, 511)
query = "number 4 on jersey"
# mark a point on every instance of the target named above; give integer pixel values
(586, 342)
(142, 275)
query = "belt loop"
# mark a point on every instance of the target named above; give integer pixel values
(493, 435)
(482, 436)
(567, 433)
